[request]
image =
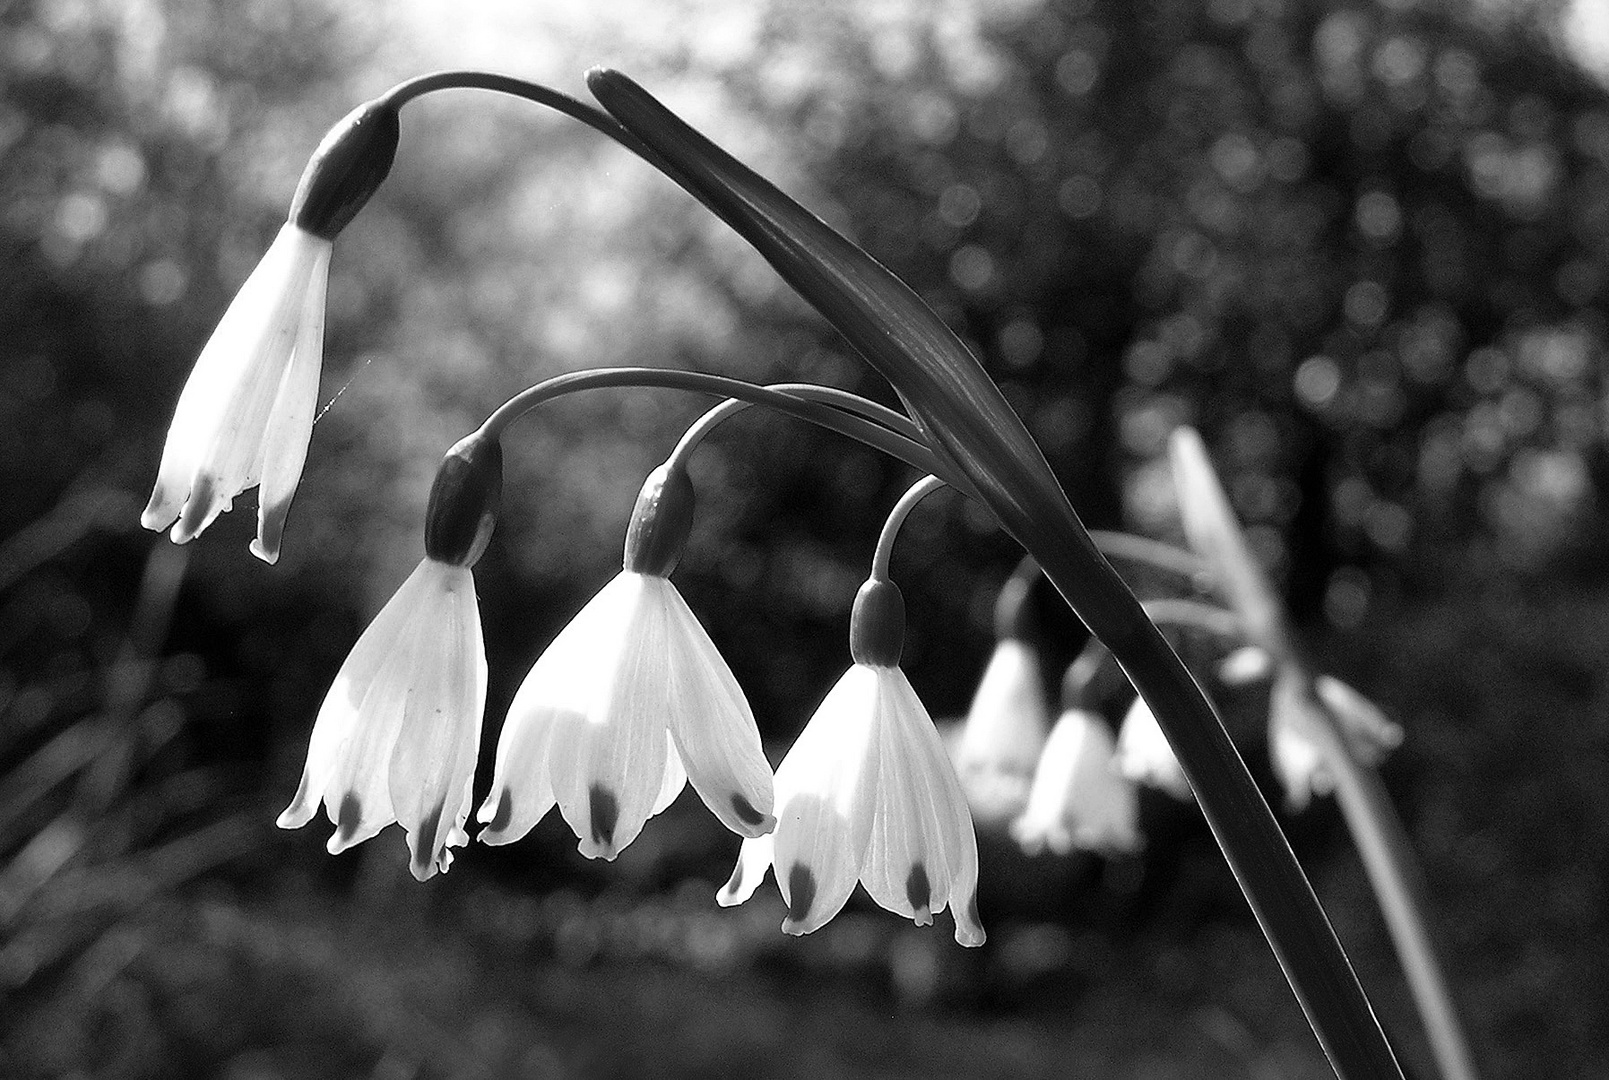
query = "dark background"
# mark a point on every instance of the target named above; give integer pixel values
(1361, 245)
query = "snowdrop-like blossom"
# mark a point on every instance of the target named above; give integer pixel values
(397, 736)
(246, 413)
(1079, 799)
(867, 793)
(1144, 756)
(1004, 731)
(1296, 737)
(245, 416)
(629, 703)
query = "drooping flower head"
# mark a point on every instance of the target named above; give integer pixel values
(630, 702)
(867, 793)
(1004, 730)
(245, 416)
(1079, 799)
(399, 731)
(1144, 756)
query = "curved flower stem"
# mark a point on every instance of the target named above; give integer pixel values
(826, 395)
(1220, 622)
(1153, 553)
(792, 401)
(594, 117)
(970, 425)
(896, 517)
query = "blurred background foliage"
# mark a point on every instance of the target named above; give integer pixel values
(1361, 245)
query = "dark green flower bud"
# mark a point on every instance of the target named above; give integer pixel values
(349, 164)
(660, 522)
(464, 501)
(877, 624)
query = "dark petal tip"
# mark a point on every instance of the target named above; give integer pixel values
(801, 892)
(918, 890)
(604, 809)
(348, 816)
(745, 811)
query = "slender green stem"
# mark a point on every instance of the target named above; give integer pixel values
(1220, 622)
(1399, 887)
(791, 402)
(896, 517)
(1153, 553)
(594, 117)
(827, 395)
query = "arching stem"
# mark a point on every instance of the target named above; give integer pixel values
(896, 518)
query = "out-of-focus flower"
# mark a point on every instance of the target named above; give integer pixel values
(867, 793)
(1144, 756)
(397, 736)
(1004, 730)
(246, 413)
(628, 703)
(1079, 799)
(1296, 739)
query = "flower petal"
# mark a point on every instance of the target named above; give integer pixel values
(753, 860)
(913, 838)
(675, 778)
(522, 793)
(1004, 731)
(826, 792)
(432, 767)
(711, 722)
(605, 681)
(1143, 753)
(290, 426)
(1079, 800)
(343, 703)
(1369, 731)
(214, 444)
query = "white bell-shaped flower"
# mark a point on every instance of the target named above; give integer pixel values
(398, 734)
(1295, 736)
(1144, 756)
(1004, 731)
(1079, 799)
(246, 414)
(867, 793)
(628, 703)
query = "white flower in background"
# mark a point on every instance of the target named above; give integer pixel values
(1144, 756)
(1079, 799)
(246, 414)
(398, 734)
(867, 793)
(1300, 734)
(1004, 731)
(628, 703)
(1295, 737)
